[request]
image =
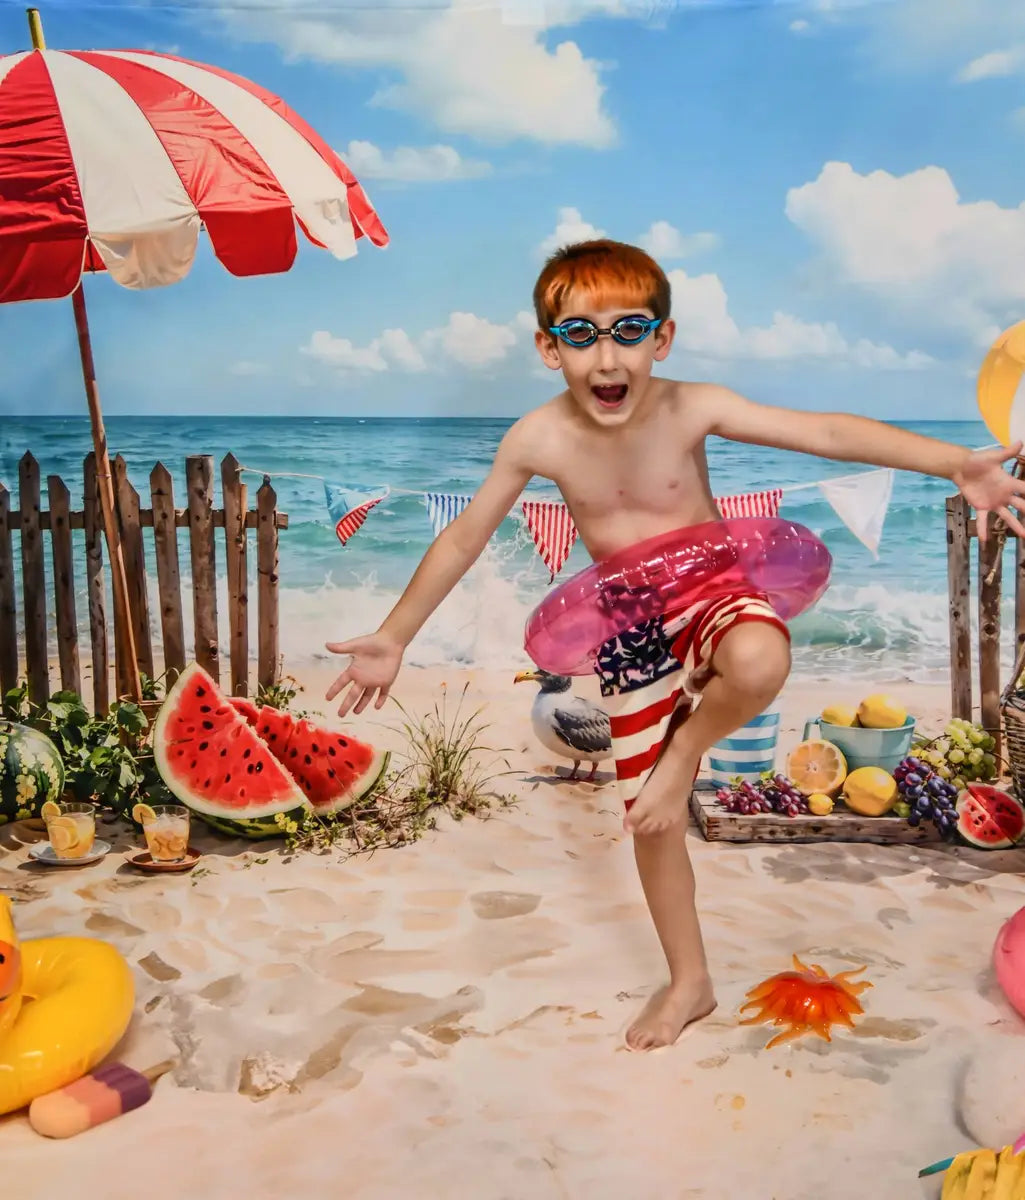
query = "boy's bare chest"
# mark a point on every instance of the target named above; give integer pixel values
(662, 480)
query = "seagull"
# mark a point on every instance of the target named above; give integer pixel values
(567, 724)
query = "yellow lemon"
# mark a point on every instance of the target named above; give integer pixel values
(870, 791)
(50, 810)
(62, 834)
(141, 813)
(819, 804)
(817, 766)
(881, 712)
(839, 714)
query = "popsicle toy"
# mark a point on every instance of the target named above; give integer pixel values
(105, 1093)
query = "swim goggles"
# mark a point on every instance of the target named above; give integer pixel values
(627, 331)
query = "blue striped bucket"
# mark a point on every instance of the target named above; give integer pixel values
(749, 750)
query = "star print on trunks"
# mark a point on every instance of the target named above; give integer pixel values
(654, 672)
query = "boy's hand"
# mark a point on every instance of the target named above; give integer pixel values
(988, 488)
(375, 663)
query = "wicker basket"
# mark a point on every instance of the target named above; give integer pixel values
(1012, 710)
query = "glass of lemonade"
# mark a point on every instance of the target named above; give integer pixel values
(71, 828)
(166, 827)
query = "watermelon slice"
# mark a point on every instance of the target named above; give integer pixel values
(333, 769)
(237, 767)
(212, 760)
(989, 818)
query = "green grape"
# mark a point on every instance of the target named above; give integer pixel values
(956, 755)
(975, 736)
(944, 772)
(975, 757)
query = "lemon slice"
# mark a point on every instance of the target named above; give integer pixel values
(141, 813)
(63, 834)
(50, 811)
(817, 766)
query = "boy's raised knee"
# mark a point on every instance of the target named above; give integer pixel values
(754, 655)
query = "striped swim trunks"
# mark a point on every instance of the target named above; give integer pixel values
(652, 674)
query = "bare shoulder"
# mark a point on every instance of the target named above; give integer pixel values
(700, 407)
(531, 441)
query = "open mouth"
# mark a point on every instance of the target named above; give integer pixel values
(610, 395)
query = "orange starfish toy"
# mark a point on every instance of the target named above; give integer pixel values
(806, 999)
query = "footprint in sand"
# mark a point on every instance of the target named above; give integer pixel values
(496, 906)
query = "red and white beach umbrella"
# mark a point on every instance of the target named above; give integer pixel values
(114, 160)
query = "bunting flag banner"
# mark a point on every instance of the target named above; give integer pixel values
(349, 507)
(861, 501)
(553, 531)
(443, 507)
(751, 504)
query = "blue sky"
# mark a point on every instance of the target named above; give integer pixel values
(835, 188)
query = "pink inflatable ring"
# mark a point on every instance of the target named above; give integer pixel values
(786, 562)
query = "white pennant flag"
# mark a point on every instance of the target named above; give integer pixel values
(443, 508)
(861, 501)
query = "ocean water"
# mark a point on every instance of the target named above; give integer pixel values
(879, 619)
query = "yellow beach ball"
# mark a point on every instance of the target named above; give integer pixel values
(1001, 386)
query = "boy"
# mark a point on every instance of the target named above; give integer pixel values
(626, 451)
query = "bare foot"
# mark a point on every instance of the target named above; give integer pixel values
(668, 1013)
(662, 800)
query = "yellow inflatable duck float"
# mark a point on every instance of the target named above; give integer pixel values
(65, 1003)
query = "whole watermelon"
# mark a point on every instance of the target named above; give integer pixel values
(31, 772)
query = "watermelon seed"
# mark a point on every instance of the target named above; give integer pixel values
(207, 784)
(350, 765)
(203, 745)
(204, 708)
(194, 765)
(208, 724)
(315, 749)
(224, 752)
(246, 753)
(331, 772)
(259, 767)
(332, 751)
(227, 778)
(249, 769)
(200, 690)
(309, 761)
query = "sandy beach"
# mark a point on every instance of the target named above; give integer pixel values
(446, 1019)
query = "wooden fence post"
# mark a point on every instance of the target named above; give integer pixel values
(33, 582)
(59, 500)
(165, 539)
(92, 521)
(267, 571)
(8, 604)
(959, 590)
(199, 478)
(236, 545)
(990, 567)
(134, 553)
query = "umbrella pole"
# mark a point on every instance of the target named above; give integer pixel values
(124, 636)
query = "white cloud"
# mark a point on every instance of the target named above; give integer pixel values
(913, 242)
(392, 348)
(571, 228)
(412, 164)
(664, 241)
(705, 328)
(473, 341)
(461, 67)
(466, 339)
(246, 367)
(800, 26)
(994, 65)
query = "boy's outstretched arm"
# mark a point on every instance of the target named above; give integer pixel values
(978, 474)
(376, 657)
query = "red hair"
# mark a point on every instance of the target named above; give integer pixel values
(610, 274)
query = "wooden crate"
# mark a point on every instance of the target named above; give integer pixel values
(842, 825)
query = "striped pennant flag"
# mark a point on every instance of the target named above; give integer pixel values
(751, 504)
(443, 507)
(349, 507)
(553, 531)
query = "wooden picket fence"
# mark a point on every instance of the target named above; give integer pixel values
(201, 519)
(961, 531)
